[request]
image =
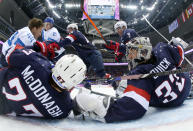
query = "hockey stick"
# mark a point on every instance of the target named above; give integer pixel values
(148, 75)
(189, 49)
(98, 93)
(163, 37)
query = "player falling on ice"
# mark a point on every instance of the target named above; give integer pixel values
(31, 86)
(139, 94)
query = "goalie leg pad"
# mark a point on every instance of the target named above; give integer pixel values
(93, 104)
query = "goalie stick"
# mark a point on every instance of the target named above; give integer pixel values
(148, 75)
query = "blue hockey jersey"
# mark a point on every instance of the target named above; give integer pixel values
(27, 86)
(120, 48)
(79, 42)
(162, 91)
(128, 34)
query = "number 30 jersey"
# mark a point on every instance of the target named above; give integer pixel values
(27, 86)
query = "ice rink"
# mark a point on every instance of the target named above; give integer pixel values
(170, 119)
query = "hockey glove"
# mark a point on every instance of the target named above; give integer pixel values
(47, 50)
(118, 56)
(51, 48)
(111, 45)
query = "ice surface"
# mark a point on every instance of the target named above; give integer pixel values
(170, 119)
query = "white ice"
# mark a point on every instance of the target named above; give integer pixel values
(170, 119)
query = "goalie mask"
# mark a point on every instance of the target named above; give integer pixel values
(137, 51)
(69, 71)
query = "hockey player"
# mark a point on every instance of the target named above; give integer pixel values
(31, 86)
(158, 91)
(26, 36)
(50, 33)
(87, 51)
(125, 36)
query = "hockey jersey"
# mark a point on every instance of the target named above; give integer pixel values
(120, 48)
(128, 34)
(79, 42)
(51, 35)
(162, 91)
(23, 37)
(27, 86)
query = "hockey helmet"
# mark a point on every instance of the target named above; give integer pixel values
(73, 26)
(120, 24)
(49, 20)
(143, 47)
(69, 71)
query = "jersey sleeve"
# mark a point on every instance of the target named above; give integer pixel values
(128, 35)
(72, 37)
(173, 53)
(68, 40)
(17, 56)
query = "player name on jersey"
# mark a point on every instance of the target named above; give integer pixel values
(40, 92)
(163, 66)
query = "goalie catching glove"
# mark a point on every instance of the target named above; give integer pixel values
(47, 48)
(179, 41)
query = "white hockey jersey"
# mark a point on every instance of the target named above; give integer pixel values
(23, 37)
(51, 35)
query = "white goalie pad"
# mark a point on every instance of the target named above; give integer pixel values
(95, 106)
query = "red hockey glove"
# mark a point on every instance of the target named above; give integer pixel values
(47, 49)
(40, 47)
(110, 44)
(51, 48)
(118, 56)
